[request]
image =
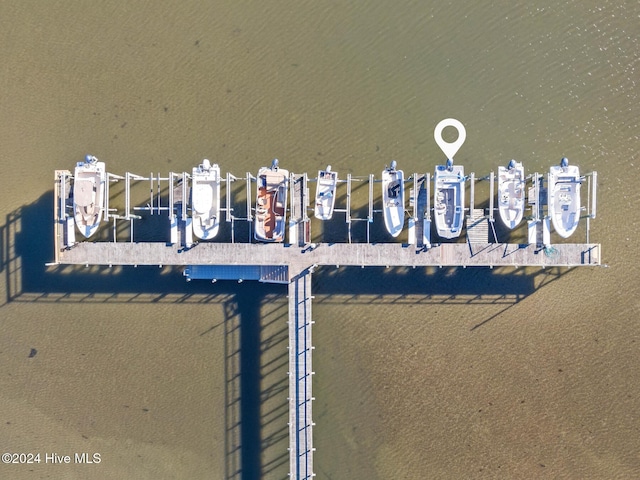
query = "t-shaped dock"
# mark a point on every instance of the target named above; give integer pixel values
(293, 263)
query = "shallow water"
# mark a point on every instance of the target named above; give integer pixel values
(419, 374)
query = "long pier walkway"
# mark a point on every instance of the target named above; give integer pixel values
(300, 373)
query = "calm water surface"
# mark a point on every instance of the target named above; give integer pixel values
(437, 374)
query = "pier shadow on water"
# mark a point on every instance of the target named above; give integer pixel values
(256, 384)
(255, 318)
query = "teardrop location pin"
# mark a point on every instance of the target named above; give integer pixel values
(449, 149)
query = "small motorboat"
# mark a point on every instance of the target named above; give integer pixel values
(325, 193)
(271, 202)
(511, 186)
(393, 199)
(205, 200)
(89, 180)
(564, 197)
(448, 199)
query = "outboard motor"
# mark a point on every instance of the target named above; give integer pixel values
(206, 165)
(90, 159)
(394, 164)
(564, 163)
(512, 164)
(274, 164)
(449, 164)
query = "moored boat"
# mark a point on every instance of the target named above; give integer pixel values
(89, 180)
(205, 200)
(393, 199)
(325, 193)
(564, 197)
(511, 186)
(448, 199)
(271, 203)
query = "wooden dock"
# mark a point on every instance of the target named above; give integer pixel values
(334, 254)
(300, 375)
(293, 263)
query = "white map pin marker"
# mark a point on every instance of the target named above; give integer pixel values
(450, 149)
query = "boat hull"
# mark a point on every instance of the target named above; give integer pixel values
(205, 201)
(511, 187)
(564, 199)
(89, 181)
(448, 200)
(271, 201)
(393, 200)
(325, 194)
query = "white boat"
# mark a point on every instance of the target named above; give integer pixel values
(511, 186)
(325, 193)
(564, 197)
(89, 180)
(393, 199)
(448, 199)
(205, 200)
(271, 203)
